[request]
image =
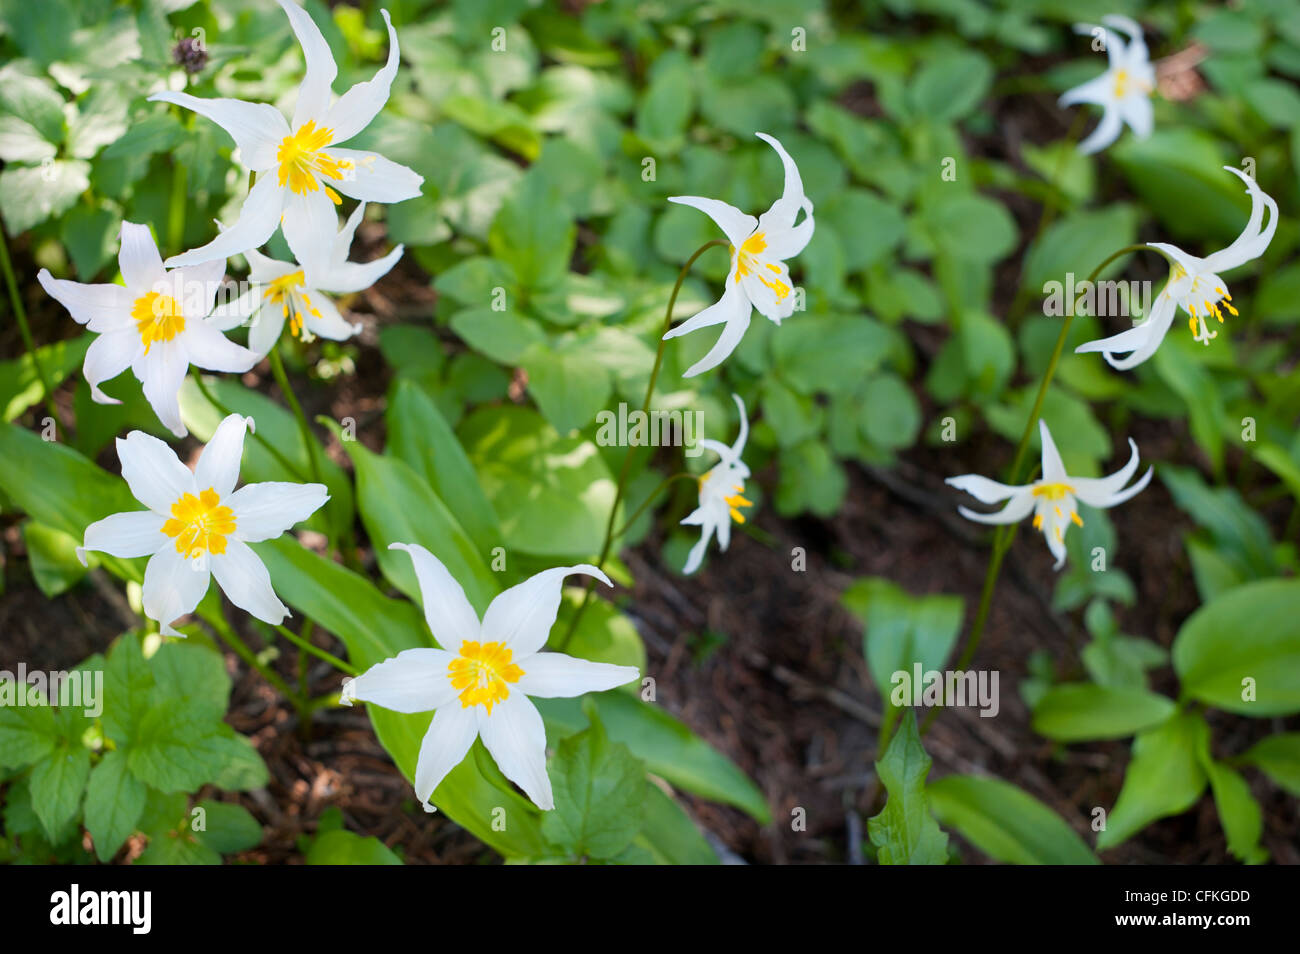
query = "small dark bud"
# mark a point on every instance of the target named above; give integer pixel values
(191, 54)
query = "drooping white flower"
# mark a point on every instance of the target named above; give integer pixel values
(300, 165)
(478, 686)
(198, 525)
(293, 292)
(759, 277)
(1123, 91)
(157, 325)
(1052, 497)
(1194, 286)
(722, 490)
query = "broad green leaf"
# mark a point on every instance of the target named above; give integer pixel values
(569, 385)
(1278, 757)
(905, 833)
(346, 848)
(1083, 711)
(1005, 822)
(57, 784)
(226, 828)
(53, 557)
(1239, 813)
(30, 195)
(1163, 778)
(20, 383)
(829, 353)
(27, 732)
(114, 802)
(599, 788)
(951, 85)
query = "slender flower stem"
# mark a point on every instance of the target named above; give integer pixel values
(626, 469)
(282, 379)
(176, 208)
(306, 646)
(650, 499)
(1005, 534)
(228, 636)
(20, 313)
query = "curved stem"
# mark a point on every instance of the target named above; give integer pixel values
(282, 379)
(650, 499)
(319, 653)
(625, 470)
(1005, 534)
(20, 313)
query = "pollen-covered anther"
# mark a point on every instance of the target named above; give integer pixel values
(482, 673)
(200, 524)
(302, 161)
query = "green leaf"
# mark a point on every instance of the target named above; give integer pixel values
(1080, 242)
(1082, 711)
(128, 679)
(29, 195)
(829, 353)
(27, 732)
(20, 384)
(114, 803)
(228, 828)
(599, 792)
(1163, 778)
(53, 557)
(1005, 822)
(1278, 757)
(1241, 651)
(1239, 813)
(534, 233)
(57, 784)
(504, 336)
(891, 415)
(951, 85)
(667, 103)
(569, 385)
(811, 479)
(345, 848)
(905, 833)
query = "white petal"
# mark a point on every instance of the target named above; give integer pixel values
(152, 470)
(263, 269)
(1136, 51)
(194, 288)
(1057, 546)
(730, 306)
(742, 436)
(555, 675)
(108, 356)
(102, 308)
(696, 556)
(1142, 340)
(245, 581)
(266, 510)
(172, 587)
(126, 535)
(314, 94)
(1100, 91)
(1107, 131)
(218, 465)
(328, 323)
(1136, 110)
(232, 313)
(1016, 509)
(1188, 263)
(208, 348)
(736, 225)
(258, 219)
(1109, 491)
(780, 217)
(376, 179)
(984, 490)
(309, 225)
(516, 737)
(787, 243)
(257, 128)
(1252, 242)
(1053, 468)
(522, 616)
(264, 330)
(448, 612)
(732, 332)
(161, 371)
(415, 680)
(764, 295)
(347, 277)
(138, 258)
(359, 105)
(450, 735)
(342, 246)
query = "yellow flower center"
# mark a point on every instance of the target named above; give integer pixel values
(1053, 491)
(747, 263)
(200, 524)
(1121, 83)
(286, 291)
(481, 673)
(302, 160)
(734, 502)
(157, 318)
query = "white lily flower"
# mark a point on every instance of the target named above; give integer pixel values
(478, 687)
(759, 277)
(198, 525)
(722, 490)
(1052, 498)
(1193, 286)
(157, 325)
(1123, 91)
(300, 166)
(289, 291)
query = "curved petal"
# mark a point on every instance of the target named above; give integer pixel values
(327, 322)
(264, 330)
(732, 332)
(376, 179)
(1107, 131)
(138, 258)
(1053, 468)
(1016, 509)
(1138, 112)
(1055, 544)
(742, 436)
(451, 733)
(108, 356)
(728, 308)
(787, 243)
(257, 128)
(1188, 263)
(362, 103)
(309, 226)
(101, 308)
(516, 737)
(448, 612)
(769, 290)
(1252, 241)
(1115, 49)
(230, 314)
(1099, 90)
(1137, 47)
(522, 616)
(133, 534)
(172, 587)
(218, 466)
(194, 287)
(558, 676)
(314, 94)
(780, 217)
(984, 490)
(736, 225)
(259, 217)
(161, 372)
(263, 268)
(264, 511)
(209, 349)
(246, 583)
(696, 556)
(415, 680)
(152, 470)
(1142, 341)
(1106, 491)
(347, 277)
(342, 246)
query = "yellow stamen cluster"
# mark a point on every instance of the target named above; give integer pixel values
(1121, 83)
(1055, 492)
(481, 673)
(200, 524)
(736, 501)
(302, 160)
(286, 292)
(747, 264)
(157, 318)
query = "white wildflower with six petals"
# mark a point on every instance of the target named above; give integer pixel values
(478, 686)
(722, 494)
(1123, 91)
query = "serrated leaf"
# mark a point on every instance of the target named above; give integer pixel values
(905, 833)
